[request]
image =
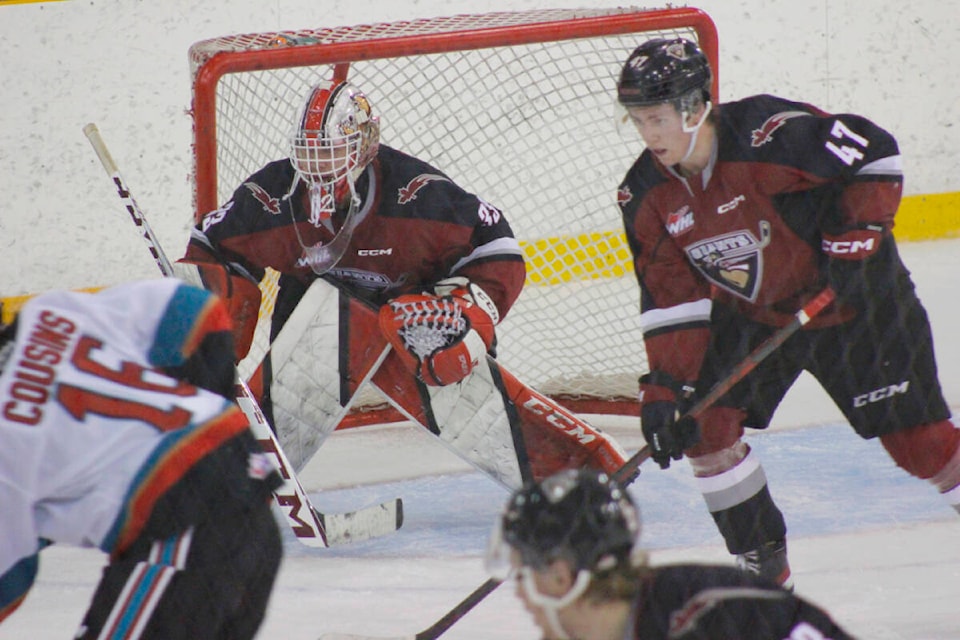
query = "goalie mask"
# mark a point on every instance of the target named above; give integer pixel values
(336, 137)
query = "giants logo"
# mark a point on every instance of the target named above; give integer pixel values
(733, 261)
(270, 204)
(409, 192)
(763, 135)
(680, 221)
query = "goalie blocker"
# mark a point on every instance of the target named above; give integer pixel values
(489, 418)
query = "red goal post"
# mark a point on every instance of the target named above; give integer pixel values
(517, 107)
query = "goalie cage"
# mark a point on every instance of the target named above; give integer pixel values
(517, 107)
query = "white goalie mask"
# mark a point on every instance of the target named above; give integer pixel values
(335, 138)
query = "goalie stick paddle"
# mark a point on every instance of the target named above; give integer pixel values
(310, 526)
(628, 472)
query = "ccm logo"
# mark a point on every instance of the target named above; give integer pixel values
(374, 252)
(849, 247)
(880, 394)
(556, 419)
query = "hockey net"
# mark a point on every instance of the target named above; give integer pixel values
(516, 107)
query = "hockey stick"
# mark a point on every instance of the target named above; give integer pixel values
(626, 473)
(314, 529)
(813, 307)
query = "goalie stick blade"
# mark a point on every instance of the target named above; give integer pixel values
(370, 522)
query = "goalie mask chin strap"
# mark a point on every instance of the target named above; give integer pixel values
(323, 257)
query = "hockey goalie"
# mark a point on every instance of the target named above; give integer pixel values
(381, 253)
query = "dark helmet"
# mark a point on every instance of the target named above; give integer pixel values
(663, 70)
(581, 516)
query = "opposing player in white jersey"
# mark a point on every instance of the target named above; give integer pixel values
(119, 432)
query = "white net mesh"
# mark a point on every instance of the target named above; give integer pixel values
(527, 126)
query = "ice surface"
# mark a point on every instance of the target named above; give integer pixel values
(874, 546)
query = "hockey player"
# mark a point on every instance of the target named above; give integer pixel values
(441, 265)
(572, 541)
(365, 214)
(737, 214)
(119, 433)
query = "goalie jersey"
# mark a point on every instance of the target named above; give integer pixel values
(416, 227)
(94, 431)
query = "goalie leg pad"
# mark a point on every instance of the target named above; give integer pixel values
(306, 385)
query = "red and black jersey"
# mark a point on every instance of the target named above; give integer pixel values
(416, 227)
(751, 231)
(691, 602)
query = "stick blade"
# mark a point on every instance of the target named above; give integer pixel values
(363, 524)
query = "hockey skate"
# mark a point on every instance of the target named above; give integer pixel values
(769, 561)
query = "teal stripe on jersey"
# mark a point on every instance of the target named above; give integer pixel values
(179, 321)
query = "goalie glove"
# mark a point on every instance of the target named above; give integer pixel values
(441, 337)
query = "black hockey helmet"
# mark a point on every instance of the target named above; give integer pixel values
(663, 70)
(581, 516)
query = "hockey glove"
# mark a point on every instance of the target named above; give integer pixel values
(862, 264)
(667, 431)
(440, 338)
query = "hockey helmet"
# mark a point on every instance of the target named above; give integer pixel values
(336, 135)
(581, 516)
(663, 70)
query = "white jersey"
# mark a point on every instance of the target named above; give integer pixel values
(91, 433)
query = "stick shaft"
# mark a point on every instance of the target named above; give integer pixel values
(626, 472)
(291, 496)
(810, 310)
(100, 147)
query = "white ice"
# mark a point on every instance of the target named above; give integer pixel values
(872, 545)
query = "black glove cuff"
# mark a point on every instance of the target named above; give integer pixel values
(681, 390)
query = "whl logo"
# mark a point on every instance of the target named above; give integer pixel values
(680, 221)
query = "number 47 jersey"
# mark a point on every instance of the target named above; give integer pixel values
(92, 431)
(753, 229)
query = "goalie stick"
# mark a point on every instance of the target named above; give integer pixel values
(313, 528)
(628, 472)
